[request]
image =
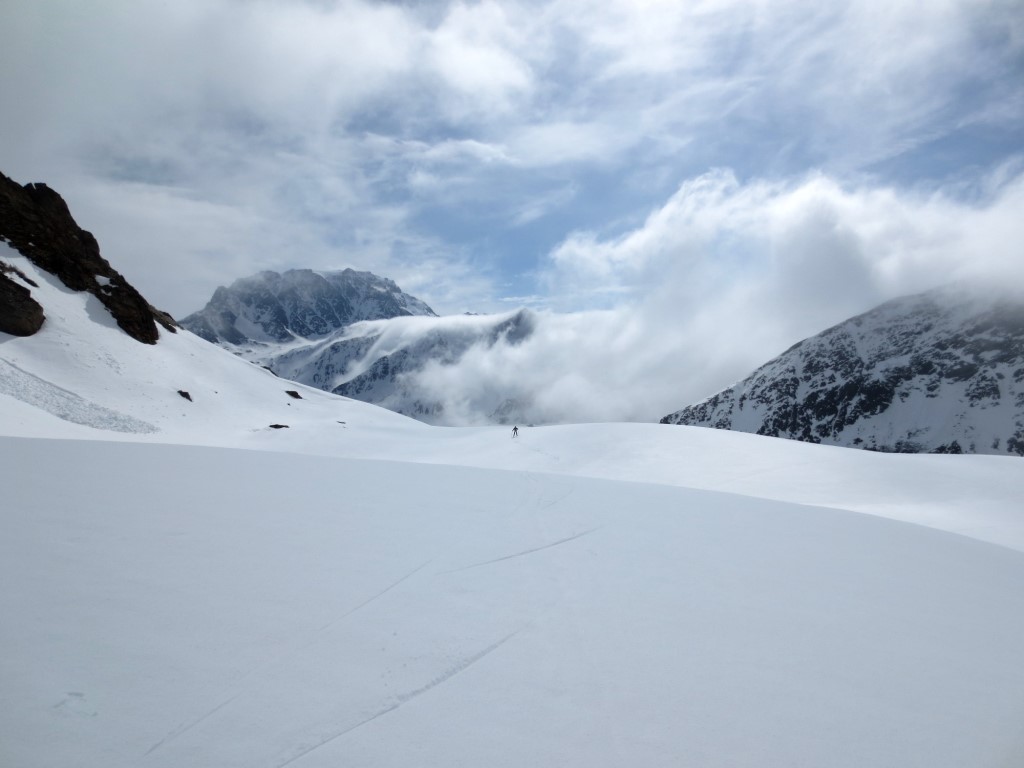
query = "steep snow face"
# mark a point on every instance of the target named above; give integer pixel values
(940, 372)
(273, 308)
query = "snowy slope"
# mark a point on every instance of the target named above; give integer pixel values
(167, 606)
(940, 372)
(362, 589)
(80, 368)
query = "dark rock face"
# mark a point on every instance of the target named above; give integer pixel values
(20, 314)
(36, 222)
(269, 307)
(941, 372)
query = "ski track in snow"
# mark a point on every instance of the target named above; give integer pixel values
(380, 594)
(182, 729)
(405, 698)
(63, 404)
(541, 548)
(185, 727)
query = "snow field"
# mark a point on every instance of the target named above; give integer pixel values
(171, 605)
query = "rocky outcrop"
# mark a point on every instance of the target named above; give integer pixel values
(36, 222)
(20, 314)
(940, 372)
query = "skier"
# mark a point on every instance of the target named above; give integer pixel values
(515, 431)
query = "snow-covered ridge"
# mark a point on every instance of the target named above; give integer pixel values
(938, 372)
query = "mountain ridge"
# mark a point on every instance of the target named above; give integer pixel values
(941, 371)
(298, 304)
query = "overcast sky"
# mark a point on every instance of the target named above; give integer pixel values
(726, 177)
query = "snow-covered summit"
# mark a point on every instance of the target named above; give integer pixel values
(274, 308)
(940, 372)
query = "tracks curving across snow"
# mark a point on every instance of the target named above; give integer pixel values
(405, 698)
(183, 728)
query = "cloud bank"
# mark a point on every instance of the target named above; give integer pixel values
(721, 278)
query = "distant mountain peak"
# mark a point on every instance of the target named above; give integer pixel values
(274, 308)
(940, 372)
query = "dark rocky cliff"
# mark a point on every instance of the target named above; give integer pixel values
(36, 222)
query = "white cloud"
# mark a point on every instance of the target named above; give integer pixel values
(725, 275)
(721, 278)
(557, 143)
(475, 51)
(894, 240)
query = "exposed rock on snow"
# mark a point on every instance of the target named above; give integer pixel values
(940, 372)
(20, 314)
(36, 222)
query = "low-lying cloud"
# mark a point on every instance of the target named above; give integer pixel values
(720, 279)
